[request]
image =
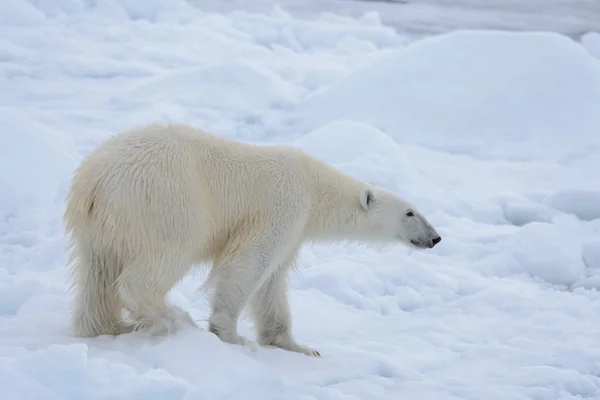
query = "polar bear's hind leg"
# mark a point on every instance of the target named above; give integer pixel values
(97, 304)
(143, 287)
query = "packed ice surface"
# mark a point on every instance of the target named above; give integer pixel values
(494, 136)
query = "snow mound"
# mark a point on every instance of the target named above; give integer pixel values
(591, 258)
(35, 161)
(240, 83)
(522, 212)
(491, 94)
(585, 204)
(20, 13)
(37, 375)
(358, 140)
(591, 255)
(551, 252)
(53, 8)
(11, 52)
(591, 42)
(235, 91)
(360, 150)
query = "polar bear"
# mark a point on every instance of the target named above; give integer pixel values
(151, 202)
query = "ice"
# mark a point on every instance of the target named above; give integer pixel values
(493, 135)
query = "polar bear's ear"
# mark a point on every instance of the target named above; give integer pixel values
(367, 198)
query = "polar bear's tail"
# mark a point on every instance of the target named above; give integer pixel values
(93, 267)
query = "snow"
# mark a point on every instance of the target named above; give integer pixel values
(493, 135)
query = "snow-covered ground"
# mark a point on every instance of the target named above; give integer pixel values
(494, 135)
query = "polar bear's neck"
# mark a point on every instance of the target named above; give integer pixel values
(335, 211)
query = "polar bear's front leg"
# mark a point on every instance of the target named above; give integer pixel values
(249, 258)
(238, 275)
(272, 315)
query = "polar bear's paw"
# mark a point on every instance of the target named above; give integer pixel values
(156, 326)
(170, 321)
(230, 336)
(247, 343)
(286, 342)
(184, 318)
(301, 349)
(233, 338)
(309, 352)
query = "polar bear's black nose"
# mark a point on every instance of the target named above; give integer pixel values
(436, 241)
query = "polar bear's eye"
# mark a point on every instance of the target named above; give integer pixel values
(410, 214)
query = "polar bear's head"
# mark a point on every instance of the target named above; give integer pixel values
(389, 218)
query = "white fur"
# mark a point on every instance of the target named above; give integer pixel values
(150, 203)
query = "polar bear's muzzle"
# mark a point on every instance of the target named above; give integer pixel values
(426, 244)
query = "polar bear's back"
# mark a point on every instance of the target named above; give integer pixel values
(177, 184)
